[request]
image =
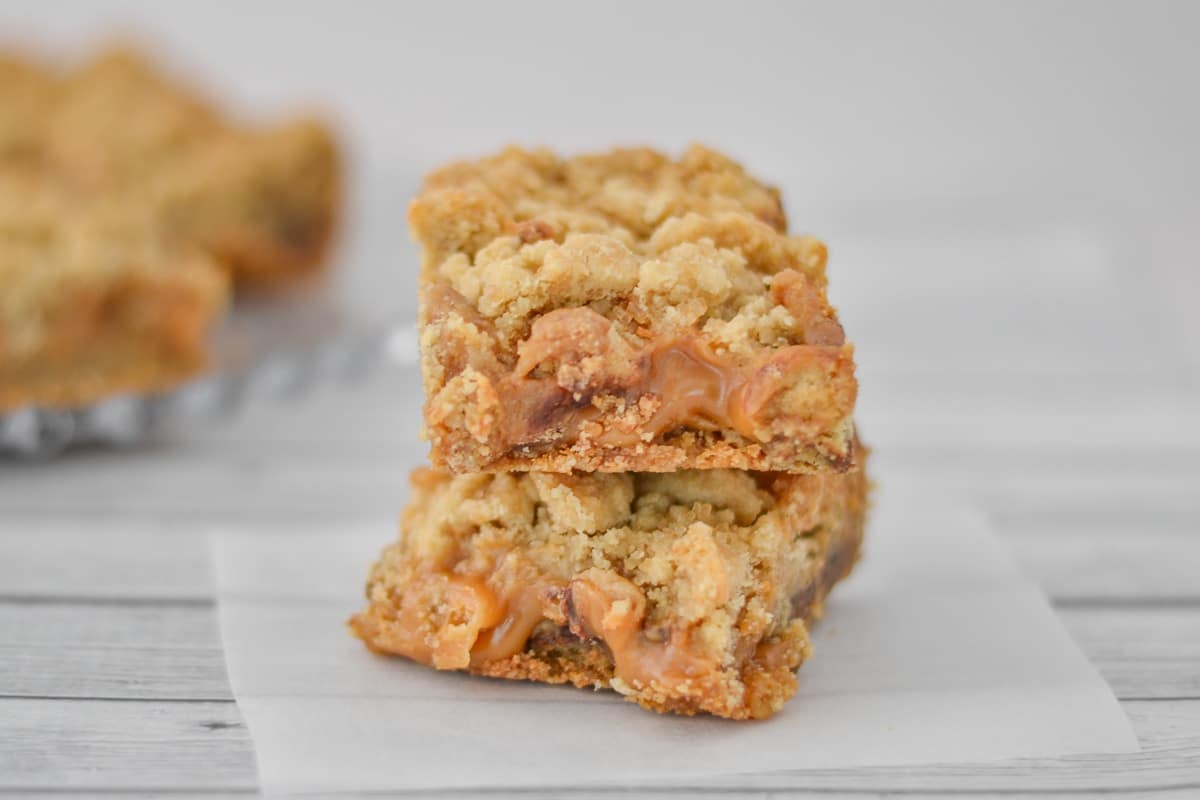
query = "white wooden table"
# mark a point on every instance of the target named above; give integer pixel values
(112, 680)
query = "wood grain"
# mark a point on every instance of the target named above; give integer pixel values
(173, 651)
(116, 652)
(107, 744)
(1133, 557)
(112, 681)
(155, 745)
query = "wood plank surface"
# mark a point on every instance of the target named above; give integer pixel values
(1130, 556)
(112, 679)
(172, 651)
(117, 746)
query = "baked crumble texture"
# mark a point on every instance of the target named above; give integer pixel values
(686, 592)
(130, 206)
(93, 305)
(625, 312)
(119, 131)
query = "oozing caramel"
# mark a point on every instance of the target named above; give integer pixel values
(470, 607)
(482, 626)
(618, 622)
(693, 387)
(481, 623)
(524, 607)
(675, 384)
(580, 377)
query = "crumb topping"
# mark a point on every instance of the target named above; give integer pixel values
(657, 246)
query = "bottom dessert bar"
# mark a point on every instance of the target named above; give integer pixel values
(686, 592)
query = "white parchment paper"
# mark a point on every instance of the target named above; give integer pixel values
(936, 649)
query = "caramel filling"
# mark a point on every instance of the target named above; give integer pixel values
(575, 376)
(694, 389)
(469, 607)
(479, 625)
(618, 621)
(524, 608)
(676, 384)
(482, 626)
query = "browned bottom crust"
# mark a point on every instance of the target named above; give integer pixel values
(682, 450)
(686, 592)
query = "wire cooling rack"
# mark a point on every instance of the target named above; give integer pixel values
(265, 350)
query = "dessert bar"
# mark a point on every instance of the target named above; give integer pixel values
(686, 592)
(263, 199)
(128, 206)
(625, 312)
(92, 306)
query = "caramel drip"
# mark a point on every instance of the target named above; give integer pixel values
(524, 608)
(481, 624)
(695, 389)
(692, 386)
(471, 606)
(576, 377)
(637, 659)
(485, 625)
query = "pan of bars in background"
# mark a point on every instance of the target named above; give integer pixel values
(264, 351)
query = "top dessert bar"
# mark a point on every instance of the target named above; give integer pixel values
(625, 312)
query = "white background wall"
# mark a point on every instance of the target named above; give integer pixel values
(892, 127)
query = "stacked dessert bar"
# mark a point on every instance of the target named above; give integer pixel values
(639, 401)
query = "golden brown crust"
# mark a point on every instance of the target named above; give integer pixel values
(625, 311)
(686, 592)
(127, 206)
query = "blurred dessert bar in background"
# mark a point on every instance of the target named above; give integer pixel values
(686, 592)
(625, 311)
(92, 303)
(131, 206)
